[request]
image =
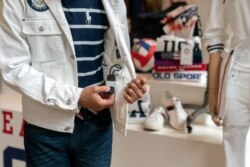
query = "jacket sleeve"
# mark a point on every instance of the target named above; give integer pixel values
(16, 69)
(215, 35)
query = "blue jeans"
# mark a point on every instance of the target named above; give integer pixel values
(90, 145)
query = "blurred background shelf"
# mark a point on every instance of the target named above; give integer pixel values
(188, 92)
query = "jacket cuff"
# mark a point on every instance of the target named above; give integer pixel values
(213, 44)
(215, 48)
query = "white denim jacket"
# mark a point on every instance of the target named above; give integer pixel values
(38, 60)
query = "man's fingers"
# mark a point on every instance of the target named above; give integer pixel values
(131, 93)
(128, 98)
(108, 101)
(132, 86)
(140, 86)
(135, 89)
(144, 89)
(215, 119)
(217, 122)
(99, 89)
(142, 79)
(103, 103)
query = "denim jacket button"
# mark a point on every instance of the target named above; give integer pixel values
(69, 101)
(41, 28)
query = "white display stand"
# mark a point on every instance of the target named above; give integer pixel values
(168, 148)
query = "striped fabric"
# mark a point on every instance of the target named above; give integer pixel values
(216, 47)
(88, 22)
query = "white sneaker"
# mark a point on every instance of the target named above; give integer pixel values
(155, 121)
(177, 115)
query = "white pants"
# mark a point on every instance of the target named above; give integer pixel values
(237, 119)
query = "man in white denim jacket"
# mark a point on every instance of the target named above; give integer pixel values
(38, 60)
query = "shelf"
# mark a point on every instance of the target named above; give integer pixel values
(201, 133)
(150, 79)
(188, 92)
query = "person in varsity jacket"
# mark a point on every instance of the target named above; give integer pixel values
(70, 60)
(230, 100)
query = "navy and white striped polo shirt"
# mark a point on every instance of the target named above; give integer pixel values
(88, 22)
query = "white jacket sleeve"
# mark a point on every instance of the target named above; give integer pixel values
(215, 35)
(16, 59)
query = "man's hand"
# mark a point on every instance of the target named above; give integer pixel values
(135, 89)
(213, 100)
(95, 98)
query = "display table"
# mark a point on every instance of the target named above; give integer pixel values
(168, 147)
